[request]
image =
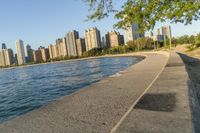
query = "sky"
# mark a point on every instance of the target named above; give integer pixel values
(41, 22)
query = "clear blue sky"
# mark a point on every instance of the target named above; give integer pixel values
(41, 22)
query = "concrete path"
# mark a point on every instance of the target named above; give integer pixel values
(165, 107)
(94, 109)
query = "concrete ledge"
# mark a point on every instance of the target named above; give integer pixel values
(96, 108)
(165, 107)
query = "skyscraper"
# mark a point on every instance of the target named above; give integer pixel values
(92, 38)
(51, 53)
(20, 52)
(2, 58)
(71, 42)
(9, 57)
(62, 47)
(103, 42)
(29, 53)
(3, 46)
(37, 55)
(6, 57)
(132, 33)
(45, 54)
(55, 51)
(165, 31)
(59, 48)
(122, 40)
(114, 39)
(80, 46)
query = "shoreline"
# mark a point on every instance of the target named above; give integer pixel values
(135, 54)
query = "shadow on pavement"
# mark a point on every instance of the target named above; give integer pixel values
(157, 102)
(193, 70)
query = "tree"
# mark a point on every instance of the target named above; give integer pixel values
(146, 12)
(197, 40)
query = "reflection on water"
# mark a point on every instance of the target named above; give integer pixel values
(24, 89)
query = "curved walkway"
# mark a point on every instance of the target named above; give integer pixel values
(165, 107)
(96, 108)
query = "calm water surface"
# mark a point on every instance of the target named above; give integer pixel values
(27, 88)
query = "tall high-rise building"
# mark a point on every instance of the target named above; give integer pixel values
(9, 57)
(71, 42)
(122, 42)
(55, 51)
(114, 39)
(15, 59)
(51, 53)
(59, 48)
(92, 38)
(45, 54)
(62, 47)
(29, 53)
(159, 31)
(6, 57)
(165, 31)
(80, 46)
(132, 33)
(103, 42)
(20, 52)
(37, 55)
(2, 58)
(3, 46)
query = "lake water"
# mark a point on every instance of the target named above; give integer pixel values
(23, 89)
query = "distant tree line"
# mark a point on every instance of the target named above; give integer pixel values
(194, 41)
(186, 39)
(140, 44)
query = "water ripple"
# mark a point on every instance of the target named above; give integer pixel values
(27, 88)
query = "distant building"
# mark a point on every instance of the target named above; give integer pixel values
(114, 39)
(37, 56)
(51, 52)
(55, 51)
(159, 38)
(20, 52)
(64, 47)
(4, 46)
(29, 53)
(45, 54)
(104, 43)
(92, 38)
(122, 42)
(80, 46)
(132, 33)
(165, 31)
(159, 31)
(2, 58)
(9, 57)
(15, 59)
(61, 47)
(71, 42)
(6, 57)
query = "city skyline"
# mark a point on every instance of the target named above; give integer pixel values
(72, 45)
(42, 26)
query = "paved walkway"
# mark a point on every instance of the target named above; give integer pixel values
(94, 109)
(165, 107)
